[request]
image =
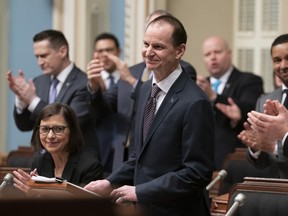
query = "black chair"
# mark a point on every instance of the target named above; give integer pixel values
(237, 170)
(21, 157)
(263, 197)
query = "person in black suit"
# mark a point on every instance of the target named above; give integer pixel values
(233, 93)
(122, 100)
(266, 134)
(172, 163)
(106, 44)
(52, 52)
(57, 141)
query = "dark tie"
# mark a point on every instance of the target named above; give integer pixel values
(150, 110)
(112, 82)
(285, 103)
(53, 90)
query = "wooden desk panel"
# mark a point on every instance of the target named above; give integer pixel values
(219, 205)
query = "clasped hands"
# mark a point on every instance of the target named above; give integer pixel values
(262, 130)
(96, 65)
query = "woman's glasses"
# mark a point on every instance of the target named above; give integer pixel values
(57, 129)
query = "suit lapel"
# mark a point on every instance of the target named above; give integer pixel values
(146, 89)
(67, 84)
(169, 101)
(230, 82)
(43, 88)
(69, 167)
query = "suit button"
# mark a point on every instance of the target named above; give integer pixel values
(139, 165)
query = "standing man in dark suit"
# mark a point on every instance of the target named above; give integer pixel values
(52, 52)
(233, 93)
(266, 141)
(173, 159)
(120, 101)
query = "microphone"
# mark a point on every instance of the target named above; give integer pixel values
(8, 178)
(238, 201)
(221, 175)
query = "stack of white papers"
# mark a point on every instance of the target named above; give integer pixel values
(43, 179)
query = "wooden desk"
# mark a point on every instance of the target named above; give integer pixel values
(219, 205)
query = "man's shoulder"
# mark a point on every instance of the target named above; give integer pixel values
(271, 95)
(78, 74)
(246, 77)
(79, 71)
(247, 74)
(138, 66)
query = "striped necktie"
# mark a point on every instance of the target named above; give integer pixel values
(150, 110)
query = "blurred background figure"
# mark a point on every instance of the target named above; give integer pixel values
(233, 93)
(61, 81)
(107, 44)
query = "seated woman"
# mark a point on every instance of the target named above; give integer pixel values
(57, 141)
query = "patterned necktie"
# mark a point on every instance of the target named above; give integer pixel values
(216, 85)
(285, 103)
(150, 110)
(53, 90)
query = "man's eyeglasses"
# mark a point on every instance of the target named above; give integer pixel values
(108, 50)
(56, 129)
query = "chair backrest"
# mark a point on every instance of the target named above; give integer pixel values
(264, 196)
(21, 157)
(5, 170)
(237, 170)
(238, 167)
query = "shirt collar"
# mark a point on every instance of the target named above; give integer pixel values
(105, 75)
(224, 78)
(166, 83)
(64, 73)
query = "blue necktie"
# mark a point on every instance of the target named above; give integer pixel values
(216, 85)
(53, 90)
(112, 82)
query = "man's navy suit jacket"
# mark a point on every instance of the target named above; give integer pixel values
(244, 89)
(173, 165)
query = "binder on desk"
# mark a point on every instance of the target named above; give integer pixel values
(60, 189)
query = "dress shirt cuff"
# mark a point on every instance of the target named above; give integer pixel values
(34, 104)
(254, 155)
(20, 105)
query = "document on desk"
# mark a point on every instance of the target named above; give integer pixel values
(46, 179)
